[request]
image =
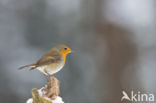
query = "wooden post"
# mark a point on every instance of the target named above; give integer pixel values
(52, 88)
(50, 91)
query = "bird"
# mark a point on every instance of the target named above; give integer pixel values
(52, 61)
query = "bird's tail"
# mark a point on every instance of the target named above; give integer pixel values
(33, 66)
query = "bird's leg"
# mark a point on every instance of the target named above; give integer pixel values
(47, 73)
(46, 77)
(48, 80)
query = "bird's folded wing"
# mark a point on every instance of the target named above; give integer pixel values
(45, 61)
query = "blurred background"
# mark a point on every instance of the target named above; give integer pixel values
(114, 43)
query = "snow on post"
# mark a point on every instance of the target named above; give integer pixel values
(47, 94)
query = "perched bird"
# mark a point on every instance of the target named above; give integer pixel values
(52, 61)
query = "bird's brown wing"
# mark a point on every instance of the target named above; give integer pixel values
(52, 56)
(46, 60)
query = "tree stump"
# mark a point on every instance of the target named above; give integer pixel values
(47, 94)
(52, 88)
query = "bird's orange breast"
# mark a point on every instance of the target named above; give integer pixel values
(63, 56)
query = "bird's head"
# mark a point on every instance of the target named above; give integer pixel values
(64, 49)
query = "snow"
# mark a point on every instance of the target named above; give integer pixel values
(57, 100)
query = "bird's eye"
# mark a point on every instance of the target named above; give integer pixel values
(65, 48)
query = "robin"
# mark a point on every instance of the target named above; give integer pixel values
(52, 61)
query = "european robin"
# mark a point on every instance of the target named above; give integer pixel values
(52, 61)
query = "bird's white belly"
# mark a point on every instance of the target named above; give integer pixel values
(50, 70)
